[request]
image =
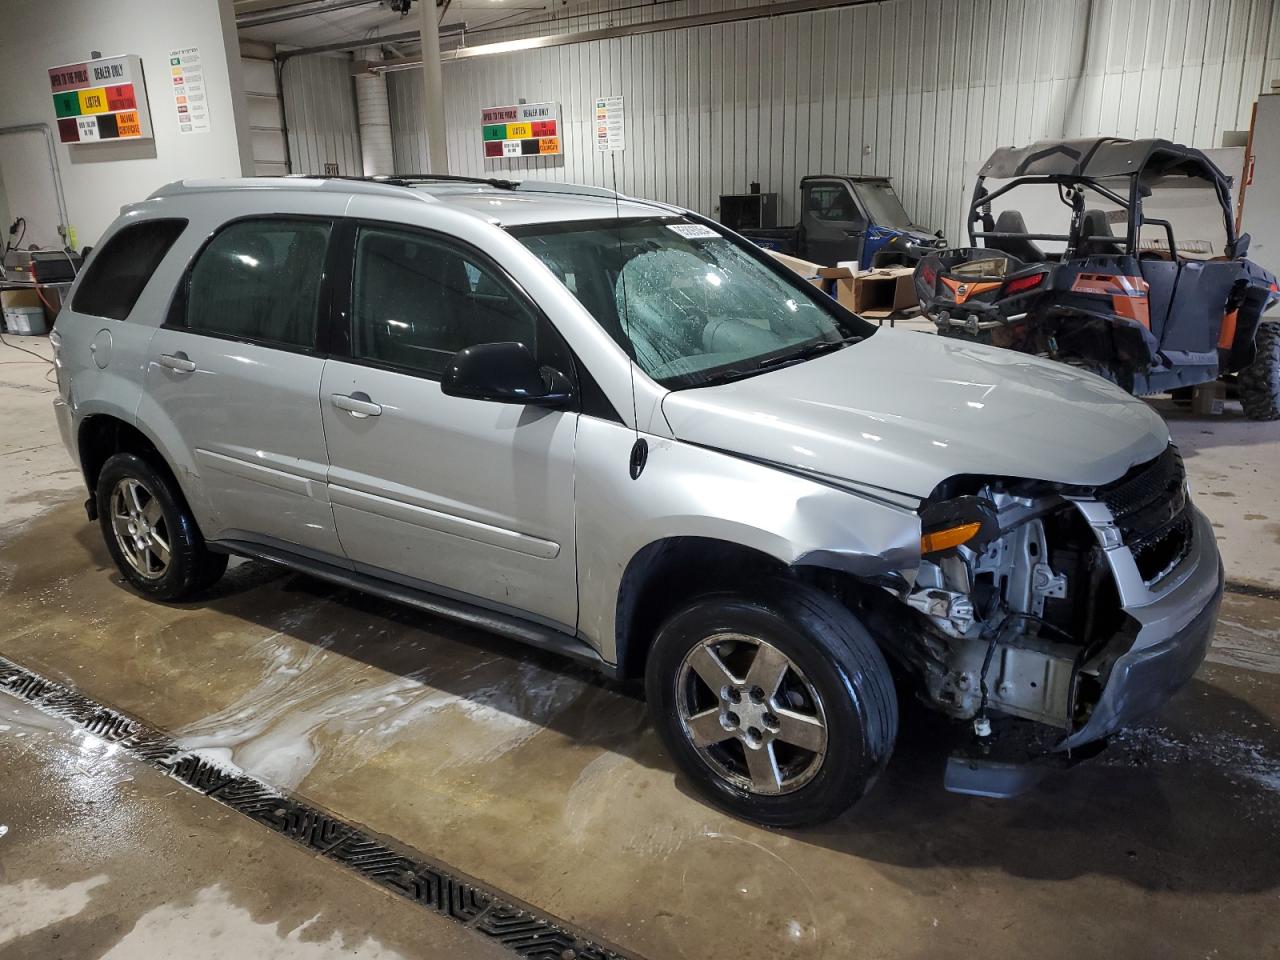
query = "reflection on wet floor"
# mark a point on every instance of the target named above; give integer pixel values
(102, 856)
(543, 780)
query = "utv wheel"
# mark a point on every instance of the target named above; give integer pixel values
(150, 533)
(775, 702)
(1259, 383)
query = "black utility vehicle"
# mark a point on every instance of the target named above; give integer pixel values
(1130, 266)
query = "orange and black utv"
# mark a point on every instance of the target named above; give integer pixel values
(1130, 267)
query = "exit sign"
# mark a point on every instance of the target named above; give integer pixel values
(100, 100)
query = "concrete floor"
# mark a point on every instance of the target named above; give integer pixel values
(547, 783)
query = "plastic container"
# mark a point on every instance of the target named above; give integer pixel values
(26, 321)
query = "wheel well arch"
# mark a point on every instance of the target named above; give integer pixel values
(103, 435)
(665, 574)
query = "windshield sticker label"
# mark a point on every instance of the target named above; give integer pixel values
(693, 231)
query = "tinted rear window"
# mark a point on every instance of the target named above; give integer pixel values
(115, 277)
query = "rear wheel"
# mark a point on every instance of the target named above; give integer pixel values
(150, 532)
(1259, 383)
(776, 702)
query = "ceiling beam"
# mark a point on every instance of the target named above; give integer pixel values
(762, 12)
(354, 43)
(296, 11)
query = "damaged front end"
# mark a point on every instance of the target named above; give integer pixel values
(1030, 601)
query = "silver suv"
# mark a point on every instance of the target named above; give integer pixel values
(613, 429)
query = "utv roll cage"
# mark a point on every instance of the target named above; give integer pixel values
(1077, 166)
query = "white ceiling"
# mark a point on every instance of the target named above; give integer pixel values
(374, 20)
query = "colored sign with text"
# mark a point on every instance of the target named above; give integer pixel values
(190, 98)
(520, 130)
(104, 99)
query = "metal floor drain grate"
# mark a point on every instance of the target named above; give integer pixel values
(393, 866)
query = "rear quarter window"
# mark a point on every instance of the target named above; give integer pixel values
(116, 276)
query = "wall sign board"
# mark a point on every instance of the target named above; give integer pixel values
(102, 99)
(525, 129)
(610, 125)
(190, 100)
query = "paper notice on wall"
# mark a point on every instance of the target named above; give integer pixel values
(190, 97)
(610, 133)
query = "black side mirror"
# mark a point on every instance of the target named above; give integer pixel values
(1241, 249)
(504, 373)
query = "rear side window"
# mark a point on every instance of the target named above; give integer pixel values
(259, 280)
(114, 280)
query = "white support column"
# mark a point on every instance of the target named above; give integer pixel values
(375, 119)
(433, 89)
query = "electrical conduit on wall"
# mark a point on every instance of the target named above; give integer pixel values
(374, 118)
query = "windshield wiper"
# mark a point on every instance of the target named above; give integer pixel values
(809, 350)
(729, 374)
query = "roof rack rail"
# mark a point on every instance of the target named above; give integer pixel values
(561, 186)
(410, 179)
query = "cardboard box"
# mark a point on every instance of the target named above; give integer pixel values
(19, 298)
(1208, 399)
(842, 284)
(807, 269)
(881, 293)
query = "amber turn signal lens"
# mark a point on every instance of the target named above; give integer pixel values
(948, 538)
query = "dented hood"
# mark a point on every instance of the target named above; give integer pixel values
(904, 411)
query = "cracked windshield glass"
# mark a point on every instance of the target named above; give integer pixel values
(690, 305)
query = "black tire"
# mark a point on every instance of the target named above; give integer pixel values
(1259, 383)
(191, 567)
(831, 652)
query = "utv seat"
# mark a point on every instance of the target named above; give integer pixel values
(1010, 221)
(1095, 224)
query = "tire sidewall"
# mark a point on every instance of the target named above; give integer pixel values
(1259, 383)
(184, 538)
(851, 763)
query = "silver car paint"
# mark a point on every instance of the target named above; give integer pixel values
(905, 412)
(437, 488)
(689, 491)
(914, 394)
(248, 418)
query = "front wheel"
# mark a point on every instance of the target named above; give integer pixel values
(776, 702)
(1259, 383)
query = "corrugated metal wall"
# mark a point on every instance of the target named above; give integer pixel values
(921, 90)
(265, 120)
(320, 111)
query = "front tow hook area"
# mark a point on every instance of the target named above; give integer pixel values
(1014, 758)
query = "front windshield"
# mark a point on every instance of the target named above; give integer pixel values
(881, 203)
(687, 303)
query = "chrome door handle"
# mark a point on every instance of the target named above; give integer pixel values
(178, 362)
(357, 404)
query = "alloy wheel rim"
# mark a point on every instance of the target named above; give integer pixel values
(142, 533)
(751, 714)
